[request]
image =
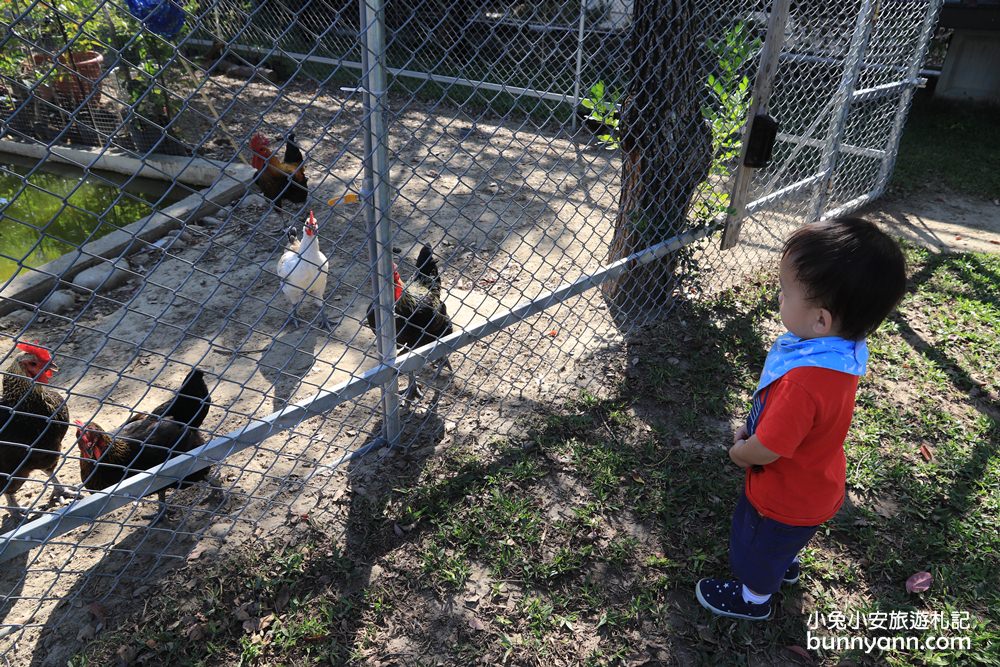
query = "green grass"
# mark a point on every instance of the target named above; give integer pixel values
(581, 542)
(955, 145)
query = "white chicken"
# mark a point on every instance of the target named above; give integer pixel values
(303, 272)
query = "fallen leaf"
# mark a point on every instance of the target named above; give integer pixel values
(127, 654)
(198, 550)
(476, 624)
(637, 478)
(99, 612)
(195, 633)
(281, 601)
(801, 652)
(927, 453)
(151, 643)
(86, 633)
(919, 582)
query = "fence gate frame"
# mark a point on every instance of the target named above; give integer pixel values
(844, 102)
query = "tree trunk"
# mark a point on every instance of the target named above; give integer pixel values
(666, 149)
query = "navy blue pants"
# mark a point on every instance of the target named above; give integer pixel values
(761, 549)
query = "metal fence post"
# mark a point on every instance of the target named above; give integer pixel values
(761, 97)
(579, 62)
(377, 145)
(842, 110)
(892, 145)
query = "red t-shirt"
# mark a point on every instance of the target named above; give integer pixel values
(805, 417)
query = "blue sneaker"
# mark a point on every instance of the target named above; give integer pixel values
(725, 598)
(792, 574)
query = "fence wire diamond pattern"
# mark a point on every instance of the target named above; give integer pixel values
(261, 238)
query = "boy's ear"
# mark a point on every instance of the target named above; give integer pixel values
(823, 324)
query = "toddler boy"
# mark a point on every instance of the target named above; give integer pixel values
(839, 280)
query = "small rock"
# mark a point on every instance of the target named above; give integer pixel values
(254, 200)
(219, 530)
(16, 320)
(210, 221)
(58, 302)
(103, 276)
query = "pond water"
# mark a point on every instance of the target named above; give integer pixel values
(46, 214)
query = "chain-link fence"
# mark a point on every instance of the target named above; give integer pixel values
(573, 168)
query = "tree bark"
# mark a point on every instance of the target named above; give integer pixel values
(666, 149)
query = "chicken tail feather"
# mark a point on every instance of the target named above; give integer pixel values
(190, 405)
(427, 269)
(293, 154)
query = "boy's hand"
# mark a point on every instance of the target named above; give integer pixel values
(734, 455)
(750, 452)
(741, 433)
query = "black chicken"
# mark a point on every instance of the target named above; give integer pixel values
(146, 440)
(33, 421)
(421, 315)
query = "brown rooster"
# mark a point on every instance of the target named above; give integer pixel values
(146, 440)
(33, 421)
(421, 315)
(279, 179)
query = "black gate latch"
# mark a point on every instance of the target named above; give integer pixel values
(760, 145)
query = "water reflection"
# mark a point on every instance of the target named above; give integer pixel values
(46, 214)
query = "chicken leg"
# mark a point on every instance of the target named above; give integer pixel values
(324, 322)
(16, 511)
(161, 501)
(61, 491)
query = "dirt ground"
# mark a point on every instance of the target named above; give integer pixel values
(512, 213)
(941, 221)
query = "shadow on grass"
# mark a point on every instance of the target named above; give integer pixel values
(582, 542)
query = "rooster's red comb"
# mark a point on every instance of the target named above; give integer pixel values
(44, 355)
(258, 140)
(312, 219)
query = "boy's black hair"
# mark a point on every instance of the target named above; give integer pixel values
(850, 267)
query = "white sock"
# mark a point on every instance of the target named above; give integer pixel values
(796, 560)
(750, 596)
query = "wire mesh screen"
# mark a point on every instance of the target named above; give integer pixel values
(260, 238)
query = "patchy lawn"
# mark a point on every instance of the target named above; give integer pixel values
(951, 145)
(580, 543)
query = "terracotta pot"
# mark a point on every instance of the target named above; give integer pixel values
(72, 83)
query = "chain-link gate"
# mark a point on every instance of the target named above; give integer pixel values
(155, 155)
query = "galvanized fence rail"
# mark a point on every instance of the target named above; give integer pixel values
(497, 137)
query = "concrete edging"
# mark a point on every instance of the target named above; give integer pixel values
(227, 182)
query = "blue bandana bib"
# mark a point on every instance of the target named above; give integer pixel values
(790, 351)
(831, 352)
